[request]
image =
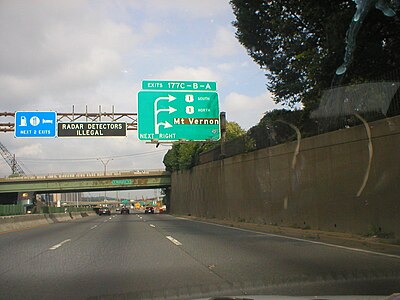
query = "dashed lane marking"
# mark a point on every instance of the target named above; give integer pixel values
(176, 242)
(59, 245)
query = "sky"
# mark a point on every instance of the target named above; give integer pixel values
(59, 54)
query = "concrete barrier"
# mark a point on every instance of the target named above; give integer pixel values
(14, 223)
(76, 215)
(11, 223)
(62, 217)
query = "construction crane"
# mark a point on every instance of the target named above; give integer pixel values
(11, 161)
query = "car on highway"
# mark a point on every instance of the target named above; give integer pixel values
(149, 210)
(124, 210)
(104, 211)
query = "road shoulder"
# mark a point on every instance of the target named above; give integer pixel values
(337, 238)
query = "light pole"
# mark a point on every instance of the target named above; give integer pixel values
(105, 163)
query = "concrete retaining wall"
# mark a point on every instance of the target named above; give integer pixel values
(11, 223)
(322, 190)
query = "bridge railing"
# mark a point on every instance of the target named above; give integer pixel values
(68, 175)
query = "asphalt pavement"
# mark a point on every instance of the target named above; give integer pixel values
(140, 256)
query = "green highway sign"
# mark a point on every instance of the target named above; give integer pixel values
(177, 85)
(178, 115)
(121, 181)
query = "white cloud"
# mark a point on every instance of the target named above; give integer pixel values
(245, 110)
(183, 8)
(225, 67)
(31, 150)
(48, 50)
(150, 30)
(225, 44)
(188, 73)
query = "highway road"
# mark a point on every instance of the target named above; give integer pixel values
(140, 256)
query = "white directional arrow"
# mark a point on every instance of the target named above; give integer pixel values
(170, 110)
(166, 124)
(169, 98)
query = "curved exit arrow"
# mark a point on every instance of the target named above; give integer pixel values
(170, 110)
(165, 124)
(169, 98)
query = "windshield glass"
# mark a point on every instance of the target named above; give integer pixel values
(193, 149)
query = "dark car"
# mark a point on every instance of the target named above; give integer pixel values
(104, 211)
(149, 210)
(124, 210)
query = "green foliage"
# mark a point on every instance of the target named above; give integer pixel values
(300, 44)
(274, 127)
(183, 156)
(233, 130)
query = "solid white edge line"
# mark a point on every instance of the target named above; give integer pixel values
(59, 245)
(301, 240)
(176, 242)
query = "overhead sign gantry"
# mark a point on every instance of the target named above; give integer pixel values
(37, 124)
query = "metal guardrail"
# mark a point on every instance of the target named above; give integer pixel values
(84, 175)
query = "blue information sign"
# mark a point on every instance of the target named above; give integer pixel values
(35, 124)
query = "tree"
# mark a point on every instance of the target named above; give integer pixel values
(300, 44)
(233, 130)
(184, 156)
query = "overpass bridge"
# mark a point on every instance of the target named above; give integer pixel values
(87, 182)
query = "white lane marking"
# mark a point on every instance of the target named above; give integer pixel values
(302, 240)
(105, 220)
(110, 218)
(59, 245)
(151, 225)
(93, 227)
(176, 242)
